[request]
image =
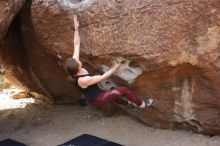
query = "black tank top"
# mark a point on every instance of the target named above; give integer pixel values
(91, 92)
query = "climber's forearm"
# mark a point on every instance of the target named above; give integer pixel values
(90, 80)
(76, 45)
(76, 41)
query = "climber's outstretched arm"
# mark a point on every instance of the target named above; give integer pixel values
(76, 39)
(90, 80)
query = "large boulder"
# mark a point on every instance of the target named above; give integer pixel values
(171, 47)
(172, 51)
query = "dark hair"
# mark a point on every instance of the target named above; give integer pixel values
(72, 66)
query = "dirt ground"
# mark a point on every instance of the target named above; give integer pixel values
(43, 125)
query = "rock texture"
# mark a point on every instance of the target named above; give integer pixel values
(13, 58)
(8, 10)
(171, 46)
(11, 50)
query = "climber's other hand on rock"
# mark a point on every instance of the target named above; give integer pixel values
(120, 60)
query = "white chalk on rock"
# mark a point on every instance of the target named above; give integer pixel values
(125, 71)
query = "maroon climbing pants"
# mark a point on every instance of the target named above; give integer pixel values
(114, 95)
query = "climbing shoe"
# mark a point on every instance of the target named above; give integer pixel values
(148, 102)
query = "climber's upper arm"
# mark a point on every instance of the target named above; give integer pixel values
(84, 82)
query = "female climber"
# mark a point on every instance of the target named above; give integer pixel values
(88, 83)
